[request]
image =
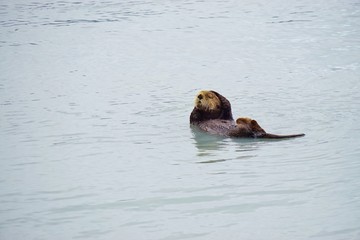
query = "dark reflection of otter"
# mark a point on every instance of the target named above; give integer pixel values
(206, 143)
(209, 146)
(212, 114)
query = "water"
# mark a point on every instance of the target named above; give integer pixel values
(95, 100)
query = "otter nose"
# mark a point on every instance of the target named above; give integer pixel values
(200, 96)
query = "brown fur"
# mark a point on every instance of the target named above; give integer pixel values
(207, 101)
(252, 125)
(212, 113)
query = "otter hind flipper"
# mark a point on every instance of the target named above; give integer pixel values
(275, 136)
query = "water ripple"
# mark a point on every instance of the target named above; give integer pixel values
(107, 12)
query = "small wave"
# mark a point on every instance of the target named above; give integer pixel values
(79, 21)
(291, 21)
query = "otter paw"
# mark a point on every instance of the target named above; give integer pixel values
(252, 124)
(244, 120)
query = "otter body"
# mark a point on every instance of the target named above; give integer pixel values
(212, 114)
(226, 128)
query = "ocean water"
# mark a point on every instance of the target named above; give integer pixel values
(95, 98)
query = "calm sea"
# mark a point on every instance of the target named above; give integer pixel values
(95, 141)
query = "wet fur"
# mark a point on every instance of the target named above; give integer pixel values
(212, 114)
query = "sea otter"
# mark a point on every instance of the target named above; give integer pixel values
(212, 114)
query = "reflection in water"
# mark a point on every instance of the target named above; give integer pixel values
(205, 143)
(214, 146)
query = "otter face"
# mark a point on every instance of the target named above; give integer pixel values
(207, 101)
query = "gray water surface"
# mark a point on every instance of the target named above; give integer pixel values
(95, 101)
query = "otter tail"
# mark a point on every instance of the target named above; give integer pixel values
(274, 136)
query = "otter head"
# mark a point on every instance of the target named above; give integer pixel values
(210, 105)
(207, 101)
